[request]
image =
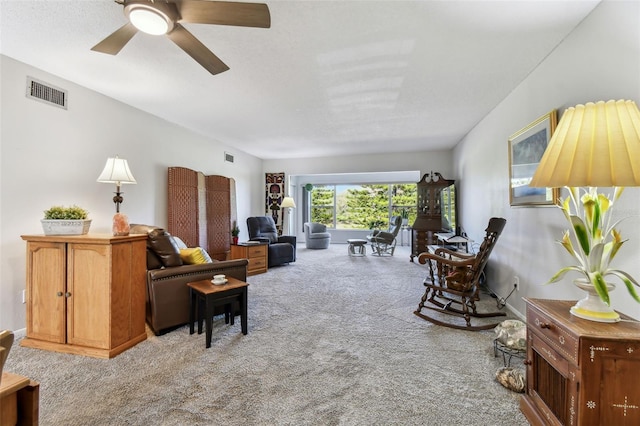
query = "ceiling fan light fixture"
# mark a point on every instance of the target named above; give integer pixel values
(149, 19)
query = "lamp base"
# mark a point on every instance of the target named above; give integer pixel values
(120, 225)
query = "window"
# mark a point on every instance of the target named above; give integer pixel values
(366, 206)
(322, 205)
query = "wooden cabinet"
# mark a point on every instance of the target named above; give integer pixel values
(255, 253)
(85, 293)
(580, 372)
(436, 211)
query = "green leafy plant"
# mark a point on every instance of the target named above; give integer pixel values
(593, 241)
(404, 213)
(65, 213)
(235, 231)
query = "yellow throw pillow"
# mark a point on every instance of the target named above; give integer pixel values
(193, 256)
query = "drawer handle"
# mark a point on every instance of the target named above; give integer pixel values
(546, 325)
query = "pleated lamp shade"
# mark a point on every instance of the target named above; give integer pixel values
(597, 144)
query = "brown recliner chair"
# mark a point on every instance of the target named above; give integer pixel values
(167, 277)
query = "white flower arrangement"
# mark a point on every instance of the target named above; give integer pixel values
(597, 241)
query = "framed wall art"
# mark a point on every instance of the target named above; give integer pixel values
(526, 147)
(273, 197)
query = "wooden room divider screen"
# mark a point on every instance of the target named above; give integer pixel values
(200, 210)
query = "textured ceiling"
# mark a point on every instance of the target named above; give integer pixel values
(328, 78)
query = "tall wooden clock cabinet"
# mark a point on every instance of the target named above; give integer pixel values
(429, 219)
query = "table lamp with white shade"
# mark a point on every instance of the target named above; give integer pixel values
(117, 171)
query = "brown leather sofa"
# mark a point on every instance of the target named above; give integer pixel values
(167, 299)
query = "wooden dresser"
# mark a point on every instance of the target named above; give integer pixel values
(85, 293)
(255, 253)
(580, 372)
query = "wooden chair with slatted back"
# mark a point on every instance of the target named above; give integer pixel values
(6, 341)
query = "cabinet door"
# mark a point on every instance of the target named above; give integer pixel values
(89, 285)
(610, 391)
(46, 273)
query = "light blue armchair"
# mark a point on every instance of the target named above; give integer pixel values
(316, 235)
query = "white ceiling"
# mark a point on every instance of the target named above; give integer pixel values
(328, 78)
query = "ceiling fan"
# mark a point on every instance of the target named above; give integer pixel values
(160, 17)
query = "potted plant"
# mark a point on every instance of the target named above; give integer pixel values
(59, 220)
(235, 232)
(404, 214)
(593, 242)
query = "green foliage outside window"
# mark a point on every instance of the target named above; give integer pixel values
(322, 204)
(362, 206)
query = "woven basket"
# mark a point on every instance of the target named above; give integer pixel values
(65, 227)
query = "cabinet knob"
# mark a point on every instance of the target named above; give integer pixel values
(546, 325)
(67, 294)
(527, 362)
(59, 294)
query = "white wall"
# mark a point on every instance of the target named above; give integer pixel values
(50, 156)
(600, 60)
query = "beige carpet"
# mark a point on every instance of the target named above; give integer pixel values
(332, 341)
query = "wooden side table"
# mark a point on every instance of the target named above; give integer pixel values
(206, 294)
(19, 400)
(256, 254)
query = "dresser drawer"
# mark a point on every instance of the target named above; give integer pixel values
(550, 332)
(257, 263)
(257, 251)
(556, 360)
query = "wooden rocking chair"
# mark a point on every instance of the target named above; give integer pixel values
(454, 288)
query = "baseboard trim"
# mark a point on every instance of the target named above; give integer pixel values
(19, 334)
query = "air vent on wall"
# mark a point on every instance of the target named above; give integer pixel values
(228, 157)
(47, 93)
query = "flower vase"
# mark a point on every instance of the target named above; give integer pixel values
(235, 240)
(591, 307)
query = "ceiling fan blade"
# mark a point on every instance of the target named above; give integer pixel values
(198, 51)
(225, 13)
(116, 41)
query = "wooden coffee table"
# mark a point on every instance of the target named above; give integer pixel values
(205, 294)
